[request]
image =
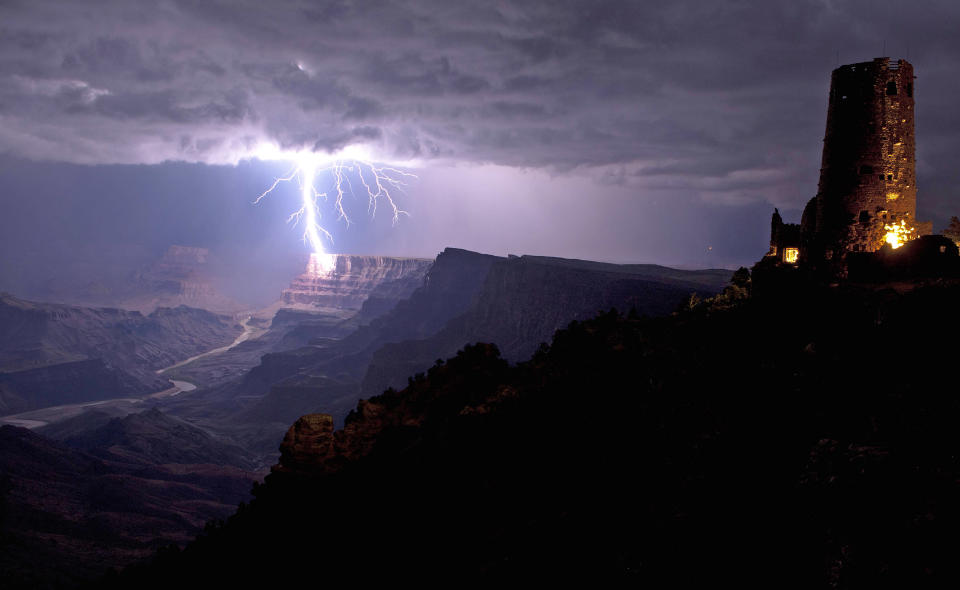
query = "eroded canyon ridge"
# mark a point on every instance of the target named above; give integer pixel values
(138, 428)
(353, 280)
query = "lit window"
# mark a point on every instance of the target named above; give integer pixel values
(790, 255)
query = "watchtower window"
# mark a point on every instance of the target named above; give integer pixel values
(891, 88)
(910, 89)
(790, 255)
(864, 217)
(889, 176)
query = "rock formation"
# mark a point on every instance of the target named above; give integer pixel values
(181, 277)
(353, 279)
(309, 439)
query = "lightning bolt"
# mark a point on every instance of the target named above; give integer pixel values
(380, 184)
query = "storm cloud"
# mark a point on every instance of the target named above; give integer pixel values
(560, 84)
(683, 102)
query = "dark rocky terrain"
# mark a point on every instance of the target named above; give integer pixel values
(195, 450)
(517, 302)
(69, 510)
(102, 352)
(525, 299)
(69, 383)
(806, 438)
(361, 289)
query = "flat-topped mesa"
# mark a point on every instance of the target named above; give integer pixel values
(180, 263)
(352, 280)
(183, 276)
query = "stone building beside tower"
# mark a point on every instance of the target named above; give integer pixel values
(867, 195)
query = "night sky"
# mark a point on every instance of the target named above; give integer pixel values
(660, 132)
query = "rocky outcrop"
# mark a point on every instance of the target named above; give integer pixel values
(308, 441)
(353, 279)
(460, 387)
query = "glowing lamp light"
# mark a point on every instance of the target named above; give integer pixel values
(791, 255)
(897, 235)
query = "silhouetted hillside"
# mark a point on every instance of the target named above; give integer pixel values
(70, 512)
(804, 439)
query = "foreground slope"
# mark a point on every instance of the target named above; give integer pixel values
(803, 440)
(69, 510)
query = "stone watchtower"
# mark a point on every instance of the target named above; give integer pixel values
(867, 195)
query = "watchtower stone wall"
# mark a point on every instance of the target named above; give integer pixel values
(867, 175)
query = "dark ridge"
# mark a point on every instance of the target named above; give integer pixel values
(803, 439)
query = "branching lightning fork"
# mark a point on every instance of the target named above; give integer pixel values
(377, 181)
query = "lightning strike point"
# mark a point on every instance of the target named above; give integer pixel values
(377, 181)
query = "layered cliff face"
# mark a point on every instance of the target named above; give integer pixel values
(525, 299)
(181, 277)
(291, 380)
(515, 302)
(354, 279)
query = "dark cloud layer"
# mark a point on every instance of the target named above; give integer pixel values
(718, 102)
(518, 83)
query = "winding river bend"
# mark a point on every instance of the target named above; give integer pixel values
(124, 405)
(248, 333)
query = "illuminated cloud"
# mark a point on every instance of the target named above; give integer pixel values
(722, 99)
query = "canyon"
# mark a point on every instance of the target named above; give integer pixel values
(239, 381)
